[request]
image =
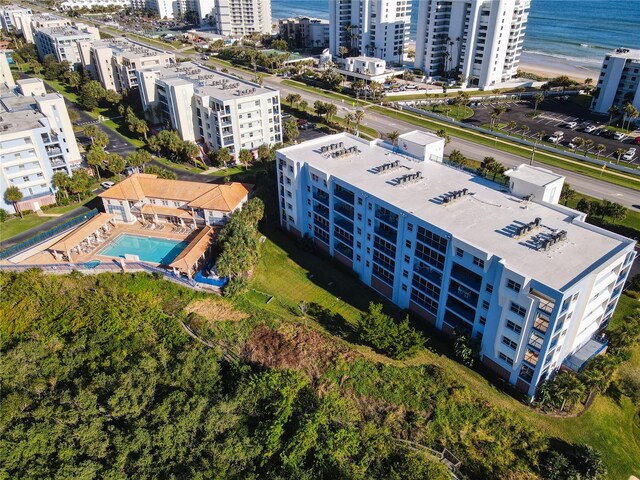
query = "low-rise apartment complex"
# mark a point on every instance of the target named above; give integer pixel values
(305, 32)
(147, 198)
(214, 108)
(36, 140)
(30, 23)
(528, 278)
(114, 61)
(10, 17)
(619, 81)
(63, 42)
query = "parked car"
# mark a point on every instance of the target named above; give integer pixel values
(556, 137)
(619, 136)
(107, 185)
(637, 141)
(572, 143)
(205, 57)
(590, 128)
(606, 133)
(571, 125)
(629, 154)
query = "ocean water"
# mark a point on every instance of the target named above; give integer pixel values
(578, 31)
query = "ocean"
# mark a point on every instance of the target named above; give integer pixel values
(577, 31)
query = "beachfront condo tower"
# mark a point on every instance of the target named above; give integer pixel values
(238, 18)
(374, 28)
(528, 278)
(619, 81)
(476, 41)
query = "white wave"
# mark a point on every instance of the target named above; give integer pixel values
(588, 62)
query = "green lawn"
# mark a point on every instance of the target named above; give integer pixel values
(631, 221)
(230, 171)
(178, 166)
(18, 225)
(292, 275)
(457, 112)
(622, 179)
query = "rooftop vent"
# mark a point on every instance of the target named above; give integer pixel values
(409, 178)
(523, 229)
(387, 167)
(449, 197)
(555, 237)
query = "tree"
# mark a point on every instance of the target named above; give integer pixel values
(246, 157)
(61, 181)
(457, 158)
(290, 130)
(599, 149)
(161, 172)
(191, 152)
(138, 158)
(90, 131)
(577, 143)
(358, 116)
(74, 79)
(14, 195)
(584, 206)
(266, 153)
(630, 112)
(393, 137)
(567, 193)
(115, 163)
(614, 110)
(588, 143)
(617, 212)
(618, 153)
(81, 183)
(91, 93)
(464, 348)
(537, 99)
(343, 52)
(442, 133)
(331, 110)
(511, 125)
(96, 158)
(588, 463)
(490, 166)
(303, 105)
(525, 130)
(223, 156)
(74, 116)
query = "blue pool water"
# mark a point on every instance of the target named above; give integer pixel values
(148, 249)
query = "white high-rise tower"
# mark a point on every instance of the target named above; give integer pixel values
(377, 28)
(479, 41)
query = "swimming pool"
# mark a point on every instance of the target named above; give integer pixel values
(148, 249)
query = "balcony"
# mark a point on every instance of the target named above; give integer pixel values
(321, 197)
(546, 304)
(51, 152)
(541, 324)
(463, 293)
(386, 233)
(463, 311)
(344, 224)
(321, 210)
(387, 217)
(425, 271)
(343, 209)
(344, 194)
(466, 276)
(531, 357)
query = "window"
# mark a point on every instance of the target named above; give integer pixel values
(515, 286)
(404, 287)
(509, 343)
(517, 309)
(407, 243)
(405, 274)
(489, 288)
(410, 227)
(407, 259)
(483, 320)
(478, 261)
(359, 201)
(506, 359)
(514, 327)
(526, 373)
(459, 252)
(359, 230)
(358, 258)
(360, 216)
(485, 305)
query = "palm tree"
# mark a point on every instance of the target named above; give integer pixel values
(619, 152)
(577, 143)
(525, 130)
(599, 149)
(537, 98)
(358, 117)
(393, 136)
(613, 111)
(290, 99)
(630, 113)
(442, 133)
(511, 125)
(541, 134)
(14, 195)
(61, 181)
(348, 118)
(303, 105)
(587, 145)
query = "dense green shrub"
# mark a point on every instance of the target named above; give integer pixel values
(395, 339)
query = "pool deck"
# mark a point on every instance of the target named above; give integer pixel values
(44, 257)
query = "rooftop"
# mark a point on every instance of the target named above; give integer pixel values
(208, 196)
(630, 53)
(422, 138)
(65, 31)
(127, 48)
(208, 82)
(485, 216)
(18, 112)
(535, 175)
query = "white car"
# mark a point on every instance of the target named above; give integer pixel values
(590, 128)
(556, 137)
(629, 154)
(619, 136)
(571, 125)
(572, 143)
(107, 185)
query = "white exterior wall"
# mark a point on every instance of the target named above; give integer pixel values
(480, 38)
(8, 17)
(380, 27)
(459, 285)
(619, 76)
(54, 108)
(63, 42)
(72, 4)
(6, 78)
(242, 17)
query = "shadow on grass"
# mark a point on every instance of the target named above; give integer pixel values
(345, 285)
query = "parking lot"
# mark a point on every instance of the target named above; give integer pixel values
(553, 115)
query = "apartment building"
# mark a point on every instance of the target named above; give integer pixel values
(305, 32)
(238, 18)
(211, 107)
(114, 61)
(63, 41)
(376, 28)
(30, 23)
(164, 8)
(10, 17)
(89, 4)
(6, 76)
(619, 81)
(36, 140)
(479, 41)
(528, 278)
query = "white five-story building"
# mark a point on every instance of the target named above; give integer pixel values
(527, 277)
